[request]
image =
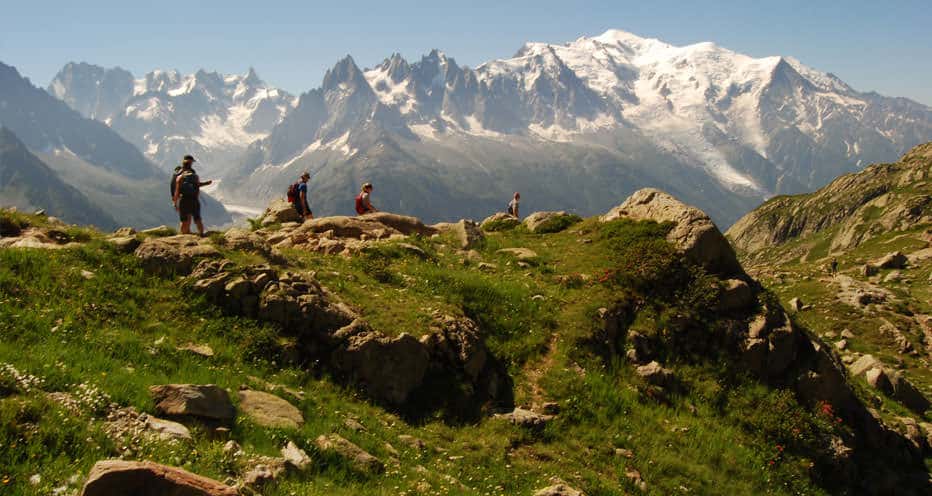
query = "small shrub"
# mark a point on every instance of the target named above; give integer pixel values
(501, 225)
(558, 223)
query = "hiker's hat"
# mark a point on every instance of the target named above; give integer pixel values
(189, 158)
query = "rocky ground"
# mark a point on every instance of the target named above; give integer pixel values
(625, 354)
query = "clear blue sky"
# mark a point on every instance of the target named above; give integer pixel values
(882, 46)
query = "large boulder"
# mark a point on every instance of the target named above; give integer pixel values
(895, 260)
(693, 231)
(174, 254)
(402, 223)
(347, 227)
(356, 457)
(909, 395)
(549, 222)
(500, 221)
(388, 368)
(118, 477)
(278, 212)
(269, 410)
(193, 400)
(559, 489)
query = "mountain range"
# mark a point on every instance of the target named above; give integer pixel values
(573, 126)
(53, 146)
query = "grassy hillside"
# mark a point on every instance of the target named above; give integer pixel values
(96, 326)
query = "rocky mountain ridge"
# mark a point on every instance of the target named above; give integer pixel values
(167, 114)
(852, 209)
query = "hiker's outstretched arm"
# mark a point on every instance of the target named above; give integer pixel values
(205, 183)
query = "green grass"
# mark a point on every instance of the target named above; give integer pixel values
(119, 330)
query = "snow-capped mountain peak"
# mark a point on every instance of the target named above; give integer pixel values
(168, 114)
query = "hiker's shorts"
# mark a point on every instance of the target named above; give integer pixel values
(188, 209)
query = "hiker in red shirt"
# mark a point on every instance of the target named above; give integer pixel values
(363, 204)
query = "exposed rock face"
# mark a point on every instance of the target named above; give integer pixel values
(269, 410)
(359, 459)
(654, 373)
(115, 477)
(895, 260)
(204, 401)
(388, 368)
(499, 222)
(174, 254)
(549, 222)
(879, 199)
(693, 233)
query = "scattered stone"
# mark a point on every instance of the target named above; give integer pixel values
(354, 425)
(634, 476)
(269, 410)
(264, 473)
(796, 304)
(117, 477)
(550, 408)
(86, 274)
(893, 277)
(487, 267)
(168, 429)
(522, 254)
(863, 364)
(414, 250)
(204, 401)
(841, 345)
(198, 349)
(846, 334)
(625, 453)
(653, 373)
(358, 458)
(232, 449)
(124, 231)
(412, 442)
(295, 456)
(559, 489)
(525, 418)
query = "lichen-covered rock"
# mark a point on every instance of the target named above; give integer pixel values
(500, 221)
(467, 234)
(549, 222)
(269, 410)
(693, 232)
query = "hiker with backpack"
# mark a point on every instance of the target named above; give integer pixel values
(297, 196)
(513, 205)
(186, 189)
(363, 201)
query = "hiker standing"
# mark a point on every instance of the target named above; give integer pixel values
(834, 267)
(186, 196)
(513, 205)
(297, 196)
(363, 201)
